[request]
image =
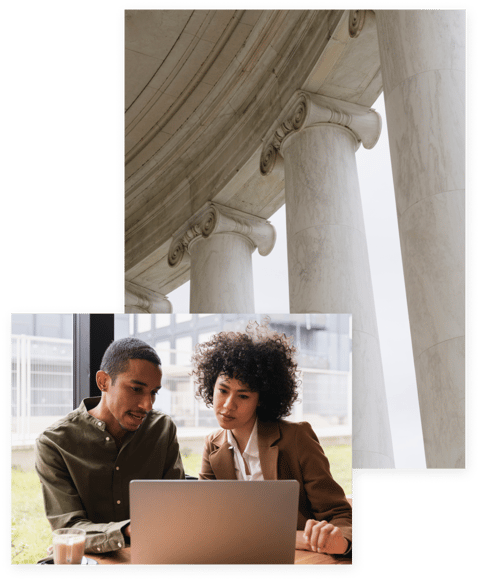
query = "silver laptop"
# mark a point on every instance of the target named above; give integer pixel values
(213, 521)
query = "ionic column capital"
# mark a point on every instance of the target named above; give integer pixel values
(356, 20)
(142, 300)
(213, 219)
(307, 110)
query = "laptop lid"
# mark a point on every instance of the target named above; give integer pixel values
(213, 521)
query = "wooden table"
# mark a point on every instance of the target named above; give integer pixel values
(122, 557)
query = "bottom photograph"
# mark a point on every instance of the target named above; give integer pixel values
(181, 439)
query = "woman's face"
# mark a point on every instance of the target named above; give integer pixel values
(234, 404)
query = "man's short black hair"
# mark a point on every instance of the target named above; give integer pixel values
(116, 357)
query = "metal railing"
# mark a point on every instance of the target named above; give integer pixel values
(41, 388)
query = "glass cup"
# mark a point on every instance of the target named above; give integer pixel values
(68, 546)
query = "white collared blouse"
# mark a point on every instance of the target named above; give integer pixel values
(251, 456)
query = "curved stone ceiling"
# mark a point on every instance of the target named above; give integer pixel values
(202, 90)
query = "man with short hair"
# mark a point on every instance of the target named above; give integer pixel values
(86, 460)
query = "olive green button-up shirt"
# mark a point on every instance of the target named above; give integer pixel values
(85, 478)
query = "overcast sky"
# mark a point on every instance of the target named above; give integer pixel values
(270, 275)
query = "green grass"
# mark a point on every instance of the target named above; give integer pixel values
(340, 458)
(191, 463)
(31, 533)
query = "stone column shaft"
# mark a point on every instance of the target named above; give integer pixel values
(423, 69)
(220, 242)
(327, 250)
(221, 278)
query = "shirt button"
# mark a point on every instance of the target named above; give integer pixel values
(117, 467)
(108, 439)
(119, 544)
(98, 549)
(119, 501)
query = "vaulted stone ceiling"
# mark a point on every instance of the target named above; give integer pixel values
(202, 89)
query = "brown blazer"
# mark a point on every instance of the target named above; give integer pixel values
(288, 451)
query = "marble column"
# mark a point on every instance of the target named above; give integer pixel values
(423, 69)
(142, 300)
(220, 242)
(327, 250)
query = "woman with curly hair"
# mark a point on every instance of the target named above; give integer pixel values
(250, 380)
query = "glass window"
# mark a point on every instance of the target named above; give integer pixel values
(204, 337)
(162, 320)
(144, 323)
(183, 349)
(163, 350)
(42, 375)
(180, 318)
(123, 326)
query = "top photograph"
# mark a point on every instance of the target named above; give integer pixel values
(307, 162)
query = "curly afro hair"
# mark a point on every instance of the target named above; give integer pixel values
(260, 358)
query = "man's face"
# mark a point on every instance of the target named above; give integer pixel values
(131, 396)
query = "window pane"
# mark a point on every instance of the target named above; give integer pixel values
(184, 350)
(42, 378)
(183, 317)
(162, 320)
(163, 350)
(204, 337)
(144, 323)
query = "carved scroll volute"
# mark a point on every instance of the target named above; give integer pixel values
(179, 245)
(356, 20)
(295, 118)
(217, 219)
(268, 159)
(203, 223)
(308, 110)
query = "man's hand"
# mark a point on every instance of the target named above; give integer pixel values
(322, 537)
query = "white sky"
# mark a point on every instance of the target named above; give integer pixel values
(270, 275)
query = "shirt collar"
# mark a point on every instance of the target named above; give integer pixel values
(87, 404)
(252, 445)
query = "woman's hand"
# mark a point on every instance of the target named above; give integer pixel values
(323, 537)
